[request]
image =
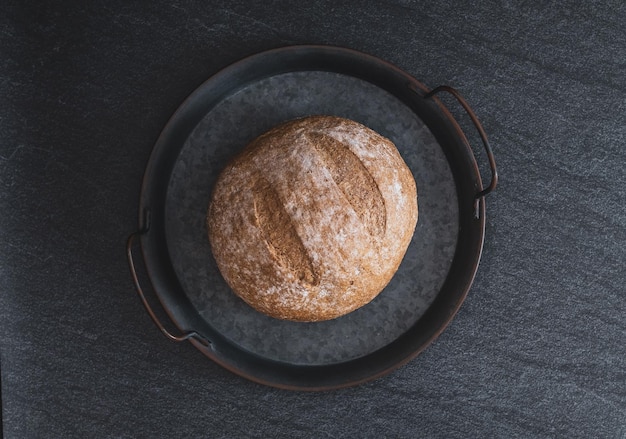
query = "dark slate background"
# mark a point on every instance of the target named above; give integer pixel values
(538, 348)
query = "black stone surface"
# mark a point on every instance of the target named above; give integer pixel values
(538, 348)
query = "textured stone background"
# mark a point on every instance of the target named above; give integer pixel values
(538, 348)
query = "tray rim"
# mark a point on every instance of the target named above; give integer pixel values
(145, 221)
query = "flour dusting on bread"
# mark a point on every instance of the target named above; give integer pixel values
(313, 218)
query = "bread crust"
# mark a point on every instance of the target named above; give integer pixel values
(313, 218)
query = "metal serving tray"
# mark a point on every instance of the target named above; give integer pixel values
(245, 100)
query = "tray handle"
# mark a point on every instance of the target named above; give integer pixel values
(131, 263)
(481, 131)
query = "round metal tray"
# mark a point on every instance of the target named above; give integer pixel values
(245, 100)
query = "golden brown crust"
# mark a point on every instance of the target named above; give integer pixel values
(313, 218)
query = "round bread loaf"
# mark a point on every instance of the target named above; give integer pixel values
(313, 218)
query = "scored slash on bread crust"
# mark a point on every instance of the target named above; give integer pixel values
(354, 181)
(279, 233)
(313, 218)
